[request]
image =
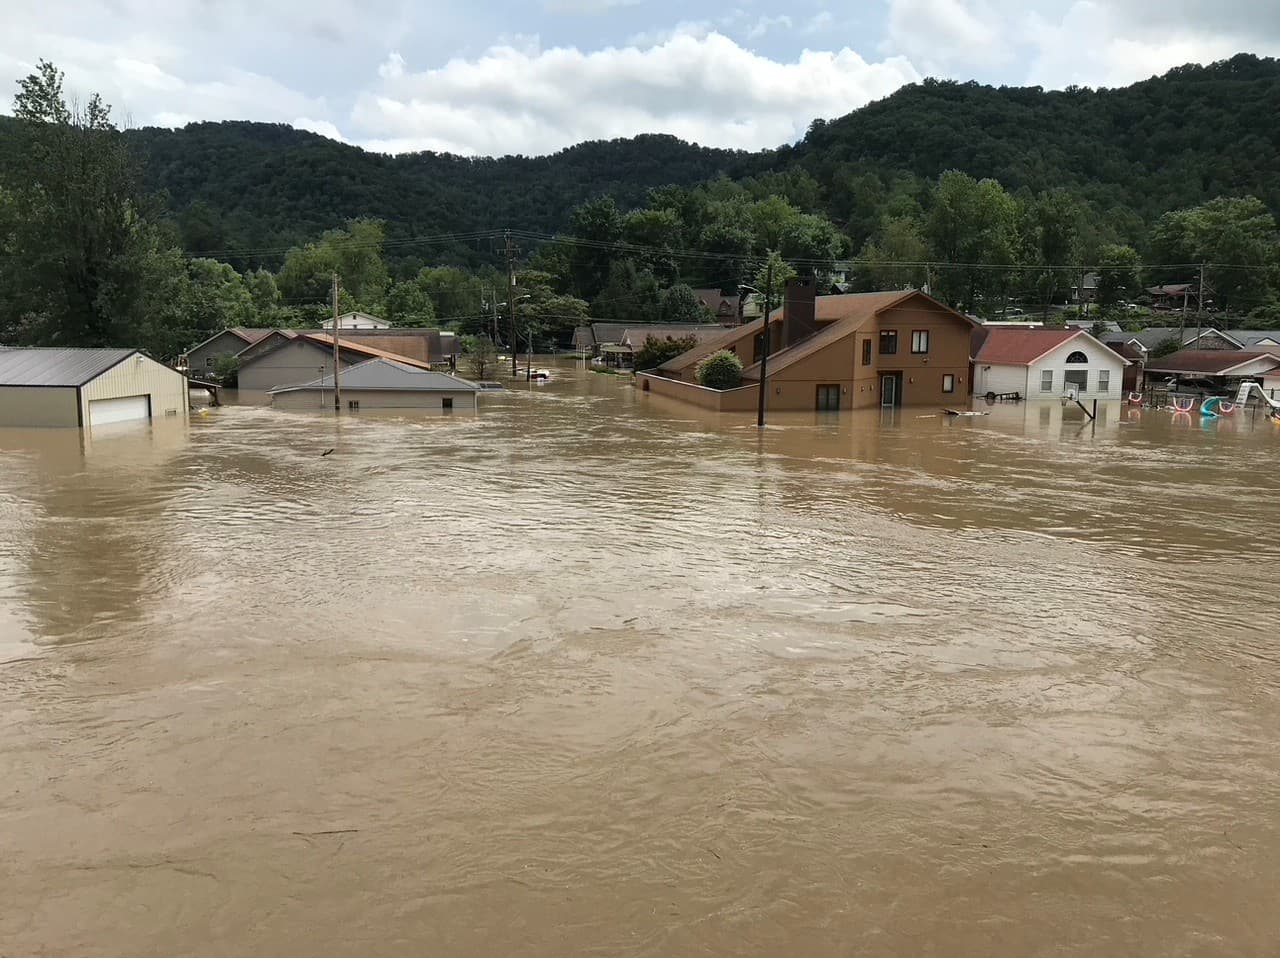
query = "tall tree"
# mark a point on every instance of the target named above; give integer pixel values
(680, 304)
(971, 229)
(1118, 275)
(598, 224)
(77, 226)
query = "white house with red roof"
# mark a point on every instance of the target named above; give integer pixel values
(1045, 364)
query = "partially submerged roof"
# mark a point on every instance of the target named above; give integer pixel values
(56, 366)
(635, 336)
(1208, 362)
(387, 374)
(361, 349)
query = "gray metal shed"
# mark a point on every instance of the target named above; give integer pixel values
(381, 384)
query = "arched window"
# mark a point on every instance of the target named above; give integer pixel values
(1077, 357)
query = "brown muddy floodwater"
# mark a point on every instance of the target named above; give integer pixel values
(591, 674)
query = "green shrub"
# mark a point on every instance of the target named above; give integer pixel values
(722, 370)
(657, 351)
(226, 370)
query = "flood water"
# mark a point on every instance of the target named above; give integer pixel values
(590, 673)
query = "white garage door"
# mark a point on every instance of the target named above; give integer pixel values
(125, 409)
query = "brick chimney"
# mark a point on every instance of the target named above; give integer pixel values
(799, 310)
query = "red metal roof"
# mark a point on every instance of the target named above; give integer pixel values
(1006, 345)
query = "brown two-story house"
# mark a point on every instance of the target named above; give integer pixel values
(836, 352)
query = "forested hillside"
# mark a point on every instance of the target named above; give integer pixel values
(1133, 153)
(990, 198)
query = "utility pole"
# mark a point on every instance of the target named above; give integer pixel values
(511, 300)
(493, 305)
(1199, 305)
(337, 389)
(764, 342)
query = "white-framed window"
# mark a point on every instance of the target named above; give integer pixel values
(948, 383)
(1046, 380)
(1104, 380)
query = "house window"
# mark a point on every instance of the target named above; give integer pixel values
(919, 341)
(446, 402)
(828, 399)
(208, 363)
(1077, 358)
(888, 342)
(948, 383)
(866, 352)
(1104, 380)
(353, 405)
(1046, 380)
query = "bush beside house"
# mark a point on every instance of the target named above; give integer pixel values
(722, 370)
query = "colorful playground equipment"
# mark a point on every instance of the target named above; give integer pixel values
(1183, 403)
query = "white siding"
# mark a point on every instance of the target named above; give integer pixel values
(1099, 358)
(989, 378)
(139, 376)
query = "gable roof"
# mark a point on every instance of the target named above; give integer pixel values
(56, 366)
(387, 374)
(634, 336)
(1008, 346)
(247, 335)
(360, 349)
(1211, 362)
(843, 314)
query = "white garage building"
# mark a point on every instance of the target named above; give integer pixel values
(1046, 364)
(86, 387)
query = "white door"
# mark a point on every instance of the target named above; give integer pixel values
(102, 412)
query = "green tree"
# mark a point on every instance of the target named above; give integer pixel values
(354, 253)
(216, 297)
(658, 232)
(657, 351)
(895, 258)
(680, 304)
(456, 294)
(77, 230)
(264, 292)
(1118, 275)
(721, 370)
(409, 305)
(1055, 218)
(971, 228)
(480, 355)
(773, 276)
(598, 224)
(1236, 236)
(629, 296)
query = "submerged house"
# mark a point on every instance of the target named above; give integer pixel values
(201, 358)
(834, 352)
(306, 357)
(1219, 368)
(1045, 363)
(381, 384)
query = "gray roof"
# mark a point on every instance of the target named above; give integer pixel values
(57, 366)
(376, 374)
(1153, 336)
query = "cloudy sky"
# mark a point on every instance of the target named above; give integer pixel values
(533, 76)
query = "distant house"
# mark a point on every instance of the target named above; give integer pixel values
(834, 352)
(1181, 296)
(1086, 290)
(308, 357)
(381, 383)
(593, 339)
(1264, 340)
(87, 387)
(357, 320)
(727, 308)
(1045, 363)
(1222, 367)
(201, 358)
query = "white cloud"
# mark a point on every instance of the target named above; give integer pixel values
(586, 6)
(820, 21)
(1117, 53)
(655, 38)
(945, 34)
(765, 24)
(392, 68)
(706, 89)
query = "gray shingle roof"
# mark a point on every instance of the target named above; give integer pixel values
(57, 366)
(377, 374)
